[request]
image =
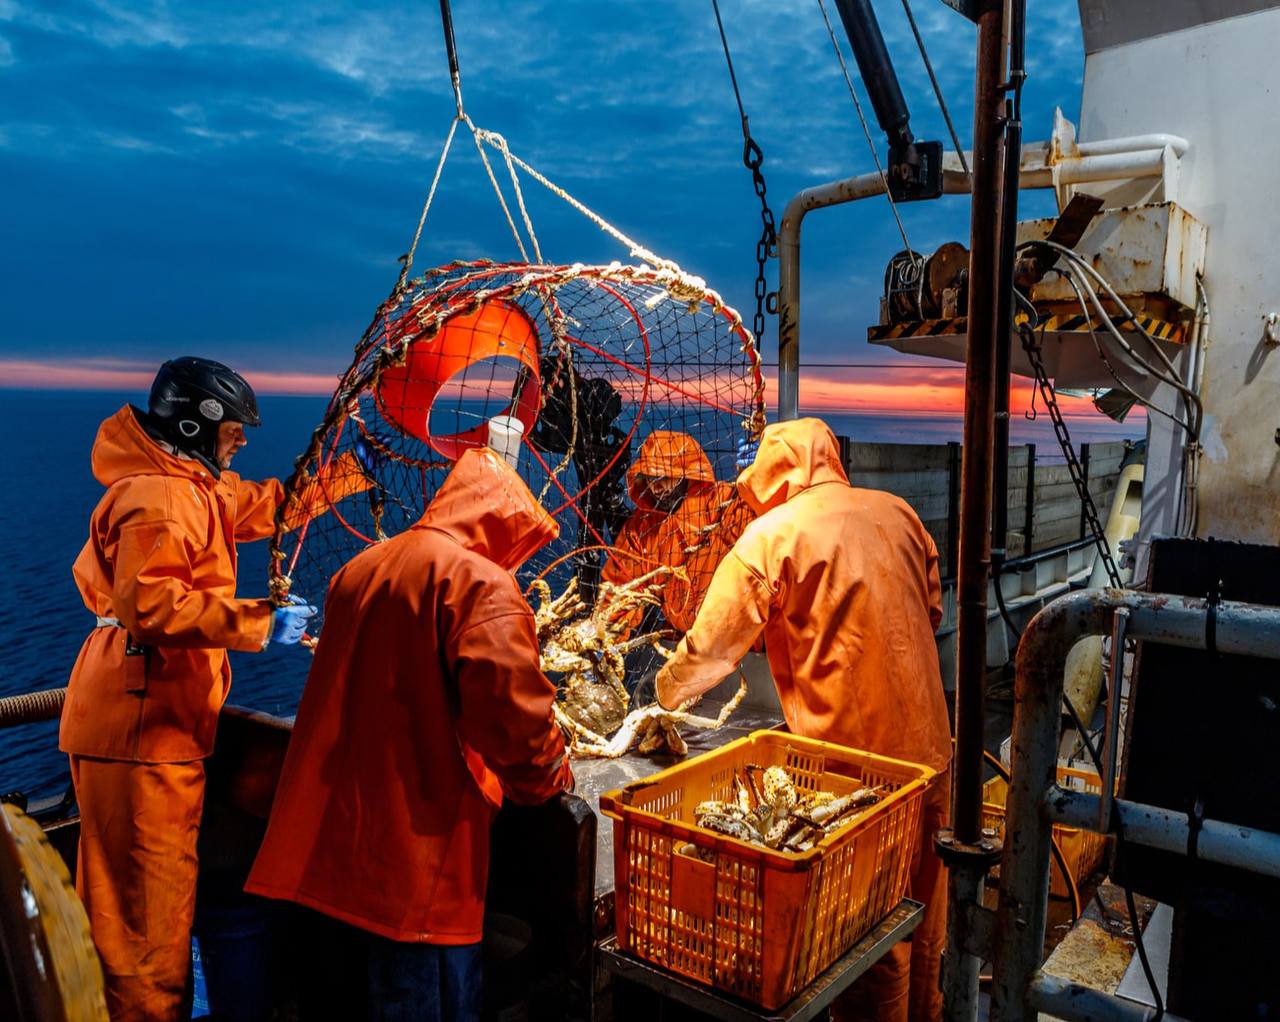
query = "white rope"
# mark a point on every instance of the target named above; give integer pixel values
(426, 206)
(634, 247)
(515, 184)
(484, 158)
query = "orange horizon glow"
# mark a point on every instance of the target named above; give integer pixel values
(910, 389)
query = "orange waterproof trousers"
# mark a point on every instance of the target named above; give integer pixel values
(136, 875)
(903, 986)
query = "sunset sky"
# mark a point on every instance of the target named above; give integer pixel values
(236, 180)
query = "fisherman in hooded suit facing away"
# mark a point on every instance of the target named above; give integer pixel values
(843, 583)
(159, 573)
(424, 708)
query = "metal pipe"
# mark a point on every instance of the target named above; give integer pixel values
(960, 978)
(1167, 830)
(833, 193)
(1064, 999)
(954, 182)
(1080, 169)
(1024, 872)
(979, 412)
(968, 868)
(1116, 167)
(1134, 144)
(1010, 152)
(1111, 743)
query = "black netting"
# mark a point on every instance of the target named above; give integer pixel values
(593, 361)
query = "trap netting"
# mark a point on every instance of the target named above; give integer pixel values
(633, 387)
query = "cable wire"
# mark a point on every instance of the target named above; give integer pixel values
(1054, 847)
(733, 78)
(937, 89)
(853, 93)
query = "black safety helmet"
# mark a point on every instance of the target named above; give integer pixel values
(191, 397)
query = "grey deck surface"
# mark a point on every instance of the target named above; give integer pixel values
(596, 776)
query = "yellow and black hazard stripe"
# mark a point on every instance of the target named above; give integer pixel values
(1158, 328)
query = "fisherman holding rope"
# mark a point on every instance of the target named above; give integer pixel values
(159, 573)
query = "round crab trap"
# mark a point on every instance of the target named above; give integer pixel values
(608, 377)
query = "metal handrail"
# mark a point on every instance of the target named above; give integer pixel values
(1035, 800)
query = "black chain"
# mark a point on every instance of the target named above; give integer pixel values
(1031, 345)
(767, 246)
(753, 159)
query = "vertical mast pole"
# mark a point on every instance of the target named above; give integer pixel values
(964, 848)
(979, 416)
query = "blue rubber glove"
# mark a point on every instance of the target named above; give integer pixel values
(367, 454)
(289, 623)
(746, 453)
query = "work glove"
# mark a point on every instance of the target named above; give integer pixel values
(367, 454)
(747, 449)
(289, 623)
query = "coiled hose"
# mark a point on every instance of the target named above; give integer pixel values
(32, 707)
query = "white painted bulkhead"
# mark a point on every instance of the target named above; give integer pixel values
(1170, 67)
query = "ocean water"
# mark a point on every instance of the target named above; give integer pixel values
(47, 493)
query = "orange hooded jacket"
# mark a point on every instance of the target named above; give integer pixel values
(652, 538)
(844, 584)
(161, 560)
(424, 706)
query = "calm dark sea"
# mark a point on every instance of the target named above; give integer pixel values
(48, 493)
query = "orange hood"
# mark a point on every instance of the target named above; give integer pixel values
(123, 448)
(667, 454)
(793, 456)
(486, 507)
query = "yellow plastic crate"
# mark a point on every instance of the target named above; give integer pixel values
(1082, 849)
(758, 923)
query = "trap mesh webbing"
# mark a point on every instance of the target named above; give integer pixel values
(591, 359)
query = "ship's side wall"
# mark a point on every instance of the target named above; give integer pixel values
(1216, 85)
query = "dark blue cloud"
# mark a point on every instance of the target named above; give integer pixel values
(239, 180)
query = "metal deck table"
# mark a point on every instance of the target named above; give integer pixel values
(808, 1004)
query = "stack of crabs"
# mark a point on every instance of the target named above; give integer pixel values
(587, 650)
(772, 812)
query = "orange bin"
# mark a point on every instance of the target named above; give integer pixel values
(757, 923)
(1081, 849)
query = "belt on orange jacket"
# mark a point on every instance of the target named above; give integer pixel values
(136, 672)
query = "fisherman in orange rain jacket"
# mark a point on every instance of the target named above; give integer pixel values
(425, 705)
(843, 583)
(159, 572)
(683, 519)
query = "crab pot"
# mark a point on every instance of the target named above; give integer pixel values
(758, 923)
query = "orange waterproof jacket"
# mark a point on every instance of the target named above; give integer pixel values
(844, 584)
(695, 536)
(161, 560)
(424, 705)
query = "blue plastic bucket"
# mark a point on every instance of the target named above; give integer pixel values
(234, 945)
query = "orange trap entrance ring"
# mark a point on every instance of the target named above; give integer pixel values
(406, 393)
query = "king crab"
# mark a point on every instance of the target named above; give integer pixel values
(589, 649)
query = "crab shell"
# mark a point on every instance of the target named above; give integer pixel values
(730, 827)
(779, 790)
